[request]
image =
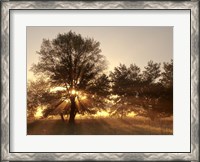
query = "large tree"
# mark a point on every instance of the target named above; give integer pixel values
(76, 63)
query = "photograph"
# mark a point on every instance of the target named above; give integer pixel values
(99, 80)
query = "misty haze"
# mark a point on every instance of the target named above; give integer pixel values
(100, 80)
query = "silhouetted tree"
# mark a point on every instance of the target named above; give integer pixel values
(167, 83)
(75, 63)
(147, 94)
(157, 91)
(38, 94)
(151, 72)
(125, 85)
(167, 75)
(125, 79)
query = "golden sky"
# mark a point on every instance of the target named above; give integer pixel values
(122, 44)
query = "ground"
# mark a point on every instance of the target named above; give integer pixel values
(102, 126)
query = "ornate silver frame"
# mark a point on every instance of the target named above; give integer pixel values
(193, 6)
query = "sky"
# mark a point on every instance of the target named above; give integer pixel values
(126, 45)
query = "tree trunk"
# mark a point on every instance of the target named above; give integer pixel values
(72, 111)
(62, 117)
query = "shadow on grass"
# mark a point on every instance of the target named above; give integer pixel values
(100, 126)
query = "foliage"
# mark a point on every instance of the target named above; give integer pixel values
(70, 61)
(151, 73)
(38, 94)
(125, 80)
(146, 93)
(75, 63)
(167, 75)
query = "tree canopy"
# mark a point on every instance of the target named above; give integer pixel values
(75, 63)
(146, 93)
(70, 60)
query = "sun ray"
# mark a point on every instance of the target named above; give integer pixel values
(38, 113)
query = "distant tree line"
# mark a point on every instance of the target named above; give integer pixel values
(148, 93)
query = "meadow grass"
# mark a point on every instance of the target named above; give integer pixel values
(102, 126)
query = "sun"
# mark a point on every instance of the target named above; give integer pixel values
(73, 92)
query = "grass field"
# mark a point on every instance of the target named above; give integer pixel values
(102, 126)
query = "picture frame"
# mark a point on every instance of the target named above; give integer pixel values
(6, 62)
